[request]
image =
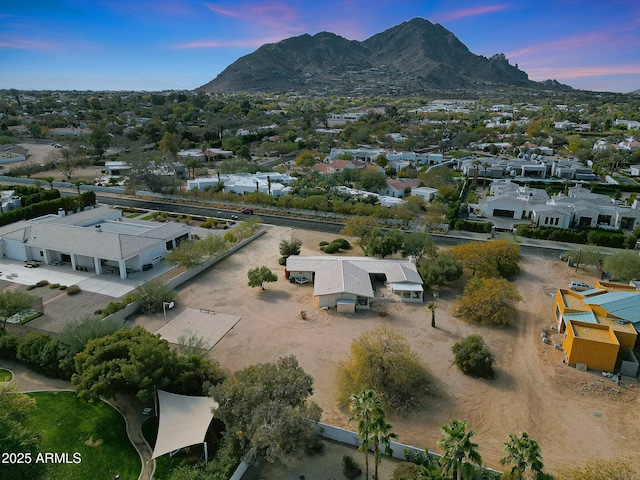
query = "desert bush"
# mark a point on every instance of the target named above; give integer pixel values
(332, 248)
(350, 468)
(73, 289)
(473, 357)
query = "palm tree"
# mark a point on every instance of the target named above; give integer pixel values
(485, 165)
(457, 446)
(431, 306)
(476, 163)
(522, 452)
(365, 409)
(381, 435)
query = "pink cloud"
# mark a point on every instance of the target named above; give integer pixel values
(469, 12)
(16, 43)
(543, 73)
(222, 11)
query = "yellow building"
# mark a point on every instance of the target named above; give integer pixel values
(601, 326)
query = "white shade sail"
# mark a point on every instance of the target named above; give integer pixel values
(182, 421)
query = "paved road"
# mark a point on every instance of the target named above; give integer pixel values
(528, 246)
(292, 222)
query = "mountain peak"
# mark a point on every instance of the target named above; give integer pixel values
(414, 56)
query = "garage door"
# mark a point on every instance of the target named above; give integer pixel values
(503, 213)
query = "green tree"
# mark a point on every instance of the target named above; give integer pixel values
(431, 307)
(169, 144)
(523, 453)
(266, 407)
(383, 244)
(458, 447)
(490, 301)
(152, 294)
(290, 247)
(445, 268)
(306, 159)
(128, 361)
(13, 302)
(382, 360)
(473, 357)
(188, 254)
(418, 245)
(259, 276)
(360, 227)
(489, 259)
(15, 437)
(623, 266)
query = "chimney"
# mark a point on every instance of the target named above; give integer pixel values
(98, 228)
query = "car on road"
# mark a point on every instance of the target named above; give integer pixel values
(234, 217)
(248, 211)
(579, 286)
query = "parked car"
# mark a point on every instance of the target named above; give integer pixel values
(578, 286)
(234, 217)
(248, 211)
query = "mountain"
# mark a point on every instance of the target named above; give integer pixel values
(412, 57)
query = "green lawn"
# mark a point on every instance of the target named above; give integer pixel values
(95, 430)
(134, 215)
(5, 375)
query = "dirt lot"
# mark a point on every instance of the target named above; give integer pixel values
(574, 415)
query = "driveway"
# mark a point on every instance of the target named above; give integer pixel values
(111, 285)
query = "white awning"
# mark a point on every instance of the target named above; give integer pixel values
(183, 421)
(406, 287)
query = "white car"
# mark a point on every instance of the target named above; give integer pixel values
(579, 286)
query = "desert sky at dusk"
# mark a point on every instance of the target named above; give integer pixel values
(164, 44)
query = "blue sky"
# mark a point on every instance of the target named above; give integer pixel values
(164, 44)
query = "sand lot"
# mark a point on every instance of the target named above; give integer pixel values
(573, 415)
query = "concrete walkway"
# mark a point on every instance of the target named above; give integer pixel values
(26, 380)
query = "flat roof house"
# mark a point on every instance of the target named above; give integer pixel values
(93, 240)
(601, 326)
(348, 283)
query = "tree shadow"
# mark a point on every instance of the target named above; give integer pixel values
(272, 296)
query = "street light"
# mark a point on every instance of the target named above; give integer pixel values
(164, 307)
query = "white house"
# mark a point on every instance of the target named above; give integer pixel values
(98, 239)
(349, 283)
(276, 184)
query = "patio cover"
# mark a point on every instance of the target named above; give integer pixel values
(183, 421)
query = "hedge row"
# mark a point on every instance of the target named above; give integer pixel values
(47, 207)
(602, 238)
(470, 226)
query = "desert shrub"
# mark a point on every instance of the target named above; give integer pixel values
(382, 360)
(323, 243)
(63, 287)
(30, 287)
(282, 261)
(73, 289)
(113, 307)
(332, 248)
(54, 285)
(42, 283)
(473, 357)
(350, 468)
(345, 245)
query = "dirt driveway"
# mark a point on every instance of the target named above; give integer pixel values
(573, 415)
